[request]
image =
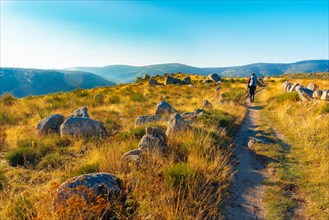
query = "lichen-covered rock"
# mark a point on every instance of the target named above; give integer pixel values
(142, 120)
(152, 82)
(50, 124)
(98, 194)
(80, 113)
(305, 94)
(312, 86)
(206, 104)
(154, 139)
(172, 80)
(187, 80)
(294, 87)
(82, 127)
(176, 123)
(164, 108)
(317, 94)
(325, 95)
(214, 77)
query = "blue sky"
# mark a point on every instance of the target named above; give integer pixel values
(59, 34)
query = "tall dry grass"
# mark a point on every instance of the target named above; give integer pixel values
(189, 183)
(305, 126)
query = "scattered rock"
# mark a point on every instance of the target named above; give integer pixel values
(50, 124)
(176, 123)
(294, 87)
(187, 80)
(89, 188)
(142, 120)
(305, 94)
(80, 113)
(214, 77)
(164, 108)
(317, 94)
(172, 80)
(312, 86)
(191, 86)
(199, 111)
(82, 127)
(133, 156)
(206, 104)
(152, 82)
(154, 139)
(325, 95)
(252, 141)
(287, 86)
(208, 81)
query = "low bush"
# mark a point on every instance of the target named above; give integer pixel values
(178, 175)
(51, 161)
(85, 169)
(289, 96)
(216, 118)
(114, 99)
(324, 109)
(138, 97)
(25, 156)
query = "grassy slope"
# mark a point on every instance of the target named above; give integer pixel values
(198, 158)
(298, 165)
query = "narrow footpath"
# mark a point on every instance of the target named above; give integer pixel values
(247, 191)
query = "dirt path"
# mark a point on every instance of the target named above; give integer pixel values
(247, 191)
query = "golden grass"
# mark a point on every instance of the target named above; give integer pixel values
(305, 126)
(203, 151)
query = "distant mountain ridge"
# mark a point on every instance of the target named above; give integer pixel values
(23, 82)
(126, 73)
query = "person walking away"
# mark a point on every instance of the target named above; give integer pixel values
(251, 84)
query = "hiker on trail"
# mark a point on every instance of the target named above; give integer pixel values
(251, 86)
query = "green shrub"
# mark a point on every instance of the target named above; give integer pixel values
(179, 175)
(26, 143)
(22, 157)
(85, 169)
(114, 99)
(51, 161)
(289, 96)
(2, 179)
(138, 132)
(138, 97)
(216, 118)
(237, 95)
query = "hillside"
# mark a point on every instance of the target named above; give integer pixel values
(125, 73)
(24, 82)
(188, 180)
(166, 151)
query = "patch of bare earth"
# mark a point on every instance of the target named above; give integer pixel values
(247, 191)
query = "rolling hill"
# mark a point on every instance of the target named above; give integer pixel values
(126, 73)
(23, 82)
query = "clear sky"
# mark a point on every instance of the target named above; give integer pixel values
(59, 34)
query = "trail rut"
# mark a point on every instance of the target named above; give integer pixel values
(247, 191)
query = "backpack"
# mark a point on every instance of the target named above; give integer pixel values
(253, 81)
